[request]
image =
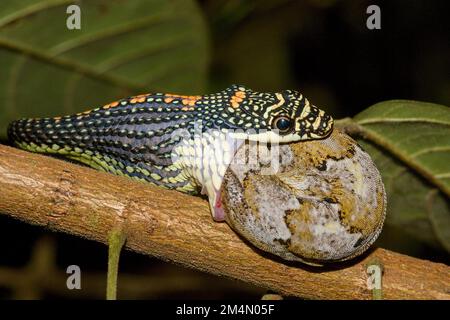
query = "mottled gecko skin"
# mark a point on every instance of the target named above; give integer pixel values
(325, 203)
(163, 139)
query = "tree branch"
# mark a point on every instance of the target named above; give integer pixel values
(176, 227)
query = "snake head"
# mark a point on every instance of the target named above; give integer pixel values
(280, 117)
(301, 118)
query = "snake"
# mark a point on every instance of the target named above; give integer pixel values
(180, 142)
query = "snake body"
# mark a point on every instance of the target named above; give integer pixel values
(175, 141)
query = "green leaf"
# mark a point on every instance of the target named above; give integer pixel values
(410, 144)
(123, 48)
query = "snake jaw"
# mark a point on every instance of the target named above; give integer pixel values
(217, 153)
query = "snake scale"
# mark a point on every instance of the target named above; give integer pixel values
(180, 142)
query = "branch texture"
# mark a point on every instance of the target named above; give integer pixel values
(176, 227)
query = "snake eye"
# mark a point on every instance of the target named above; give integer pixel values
(282, 123)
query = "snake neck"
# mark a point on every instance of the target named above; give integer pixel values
(204, 158)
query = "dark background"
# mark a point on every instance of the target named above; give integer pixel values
(324, 49)
(321, 48)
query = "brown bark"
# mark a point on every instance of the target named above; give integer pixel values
(179, 228)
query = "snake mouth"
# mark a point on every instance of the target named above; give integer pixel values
(316, 128)
(326, 126)
(266, 136)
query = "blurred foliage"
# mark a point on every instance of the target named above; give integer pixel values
(48, 69)
(323, 49)
(35, 268)
(319, 47)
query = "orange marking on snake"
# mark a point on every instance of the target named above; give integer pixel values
(189, 100)
(234, 104)
(139, 99)
(237, 98)
(240, 94)
(111, 105)
(180, 96)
